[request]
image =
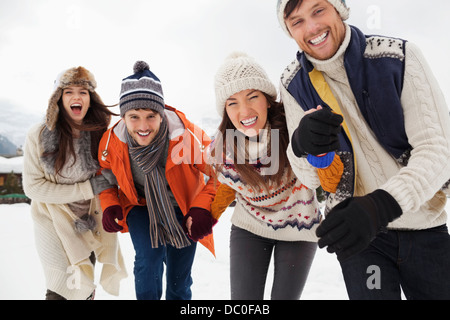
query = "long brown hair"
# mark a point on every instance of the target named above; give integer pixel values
(277, 119)
(96, 121)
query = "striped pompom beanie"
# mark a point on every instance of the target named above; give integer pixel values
(142, 90)
(340, 6)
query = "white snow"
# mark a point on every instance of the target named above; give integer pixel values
(22, 278)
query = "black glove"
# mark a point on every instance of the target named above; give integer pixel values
(317, 133)
(354, 223)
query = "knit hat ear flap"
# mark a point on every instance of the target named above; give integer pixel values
(78, 76)
(53, 109)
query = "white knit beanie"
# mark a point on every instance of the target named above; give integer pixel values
(340, 6)
(238, 73)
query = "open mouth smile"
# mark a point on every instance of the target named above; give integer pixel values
(319, 39)
(249, 122)
(76, 108)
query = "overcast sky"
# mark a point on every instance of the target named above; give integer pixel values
(183, 41)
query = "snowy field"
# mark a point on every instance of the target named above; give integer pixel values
(21, 275)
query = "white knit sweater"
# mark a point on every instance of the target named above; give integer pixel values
(427, 123)
(64, 252)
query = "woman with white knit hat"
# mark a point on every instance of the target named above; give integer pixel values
(274, 211)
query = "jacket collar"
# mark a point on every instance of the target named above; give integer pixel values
(178, 126)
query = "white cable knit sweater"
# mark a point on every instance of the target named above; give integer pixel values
(427, 123)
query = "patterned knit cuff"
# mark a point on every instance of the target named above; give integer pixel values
(331, 176)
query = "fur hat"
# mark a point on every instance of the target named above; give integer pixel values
(340, 6)
(78, 76)
(238, 73)
(142, 90)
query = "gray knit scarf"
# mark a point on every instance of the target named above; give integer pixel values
(164, 226)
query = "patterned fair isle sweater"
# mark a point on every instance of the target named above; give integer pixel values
(288, 212)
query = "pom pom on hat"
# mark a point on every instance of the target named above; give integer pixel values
(240, 72)
(140, 66)
(236, 55)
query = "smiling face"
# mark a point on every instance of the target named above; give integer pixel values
(76, 102)
(142, 125)
(317, 28)
(247, 111)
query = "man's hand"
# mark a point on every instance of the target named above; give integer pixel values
(198, 223)
(317, 133)
(354, 223)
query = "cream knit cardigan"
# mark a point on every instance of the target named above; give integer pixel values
(416, 187)
(64, 252)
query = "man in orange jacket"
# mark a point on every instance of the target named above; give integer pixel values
(157, 157)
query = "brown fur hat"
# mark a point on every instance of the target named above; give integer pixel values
(78, 76)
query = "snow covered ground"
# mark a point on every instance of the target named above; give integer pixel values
(21, 275)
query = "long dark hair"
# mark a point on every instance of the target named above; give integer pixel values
(96, 121)
(248, 173)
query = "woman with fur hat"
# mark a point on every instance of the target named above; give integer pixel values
(274, 211)
(60, 177)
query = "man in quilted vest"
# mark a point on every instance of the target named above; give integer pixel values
(386, 221)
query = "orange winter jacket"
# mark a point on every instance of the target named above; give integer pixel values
(185, 168)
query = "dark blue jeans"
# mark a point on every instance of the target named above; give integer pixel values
(418, 262)
(149, 262)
